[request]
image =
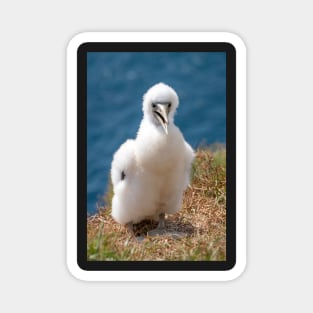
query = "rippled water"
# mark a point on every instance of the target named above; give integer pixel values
(116, 82)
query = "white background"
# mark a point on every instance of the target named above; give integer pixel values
(33, 274)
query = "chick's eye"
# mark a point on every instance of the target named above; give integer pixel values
(169, 105)
(153, 105)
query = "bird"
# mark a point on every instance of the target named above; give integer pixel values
(150, 173)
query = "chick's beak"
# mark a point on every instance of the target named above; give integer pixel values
(161, 113)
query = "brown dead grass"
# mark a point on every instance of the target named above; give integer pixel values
(202, 218)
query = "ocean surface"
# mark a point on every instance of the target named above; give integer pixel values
(116, 82)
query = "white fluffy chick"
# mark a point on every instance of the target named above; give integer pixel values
(149, 174)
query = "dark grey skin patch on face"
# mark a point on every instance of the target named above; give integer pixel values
(161, 102)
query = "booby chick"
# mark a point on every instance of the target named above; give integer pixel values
(149, 174)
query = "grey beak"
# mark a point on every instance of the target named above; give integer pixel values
(161, 114)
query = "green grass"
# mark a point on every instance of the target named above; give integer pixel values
(202, 218)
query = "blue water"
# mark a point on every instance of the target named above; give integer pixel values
(116, 82)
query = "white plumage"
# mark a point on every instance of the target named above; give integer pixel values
(149, 174)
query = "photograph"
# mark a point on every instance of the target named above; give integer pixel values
(156, 155)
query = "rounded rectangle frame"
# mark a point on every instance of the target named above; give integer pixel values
(236, 229)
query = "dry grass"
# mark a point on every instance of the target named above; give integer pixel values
(202, 218)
